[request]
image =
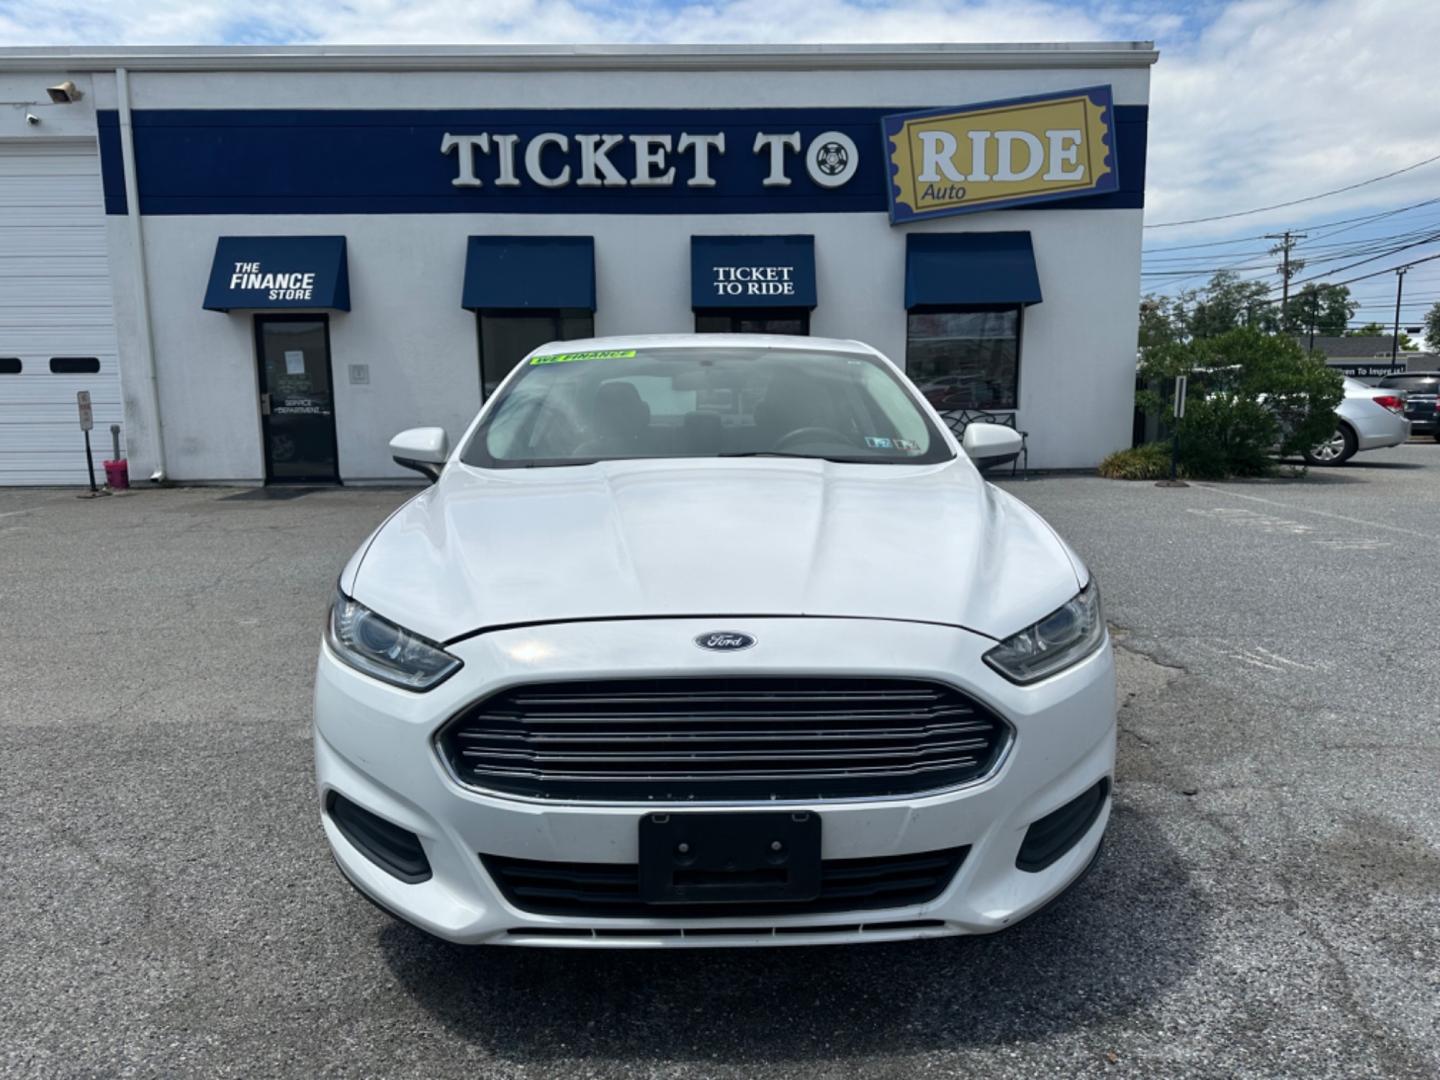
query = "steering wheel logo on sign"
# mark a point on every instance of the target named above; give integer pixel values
(832, 158)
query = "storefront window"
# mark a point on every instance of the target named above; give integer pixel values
(507, 336)
(965, 359)
(753, 321)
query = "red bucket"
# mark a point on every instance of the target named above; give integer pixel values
(117, 475)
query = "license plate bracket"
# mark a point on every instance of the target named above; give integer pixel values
(728, 858)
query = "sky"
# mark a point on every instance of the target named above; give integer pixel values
(1253, 102)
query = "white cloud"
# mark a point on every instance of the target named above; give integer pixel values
(1279, 99)
(1254, 102)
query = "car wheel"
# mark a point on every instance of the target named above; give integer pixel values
(1336, 450)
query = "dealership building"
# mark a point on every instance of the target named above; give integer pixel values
(263, 262)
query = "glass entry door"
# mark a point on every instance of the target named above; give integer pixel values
(297, 403)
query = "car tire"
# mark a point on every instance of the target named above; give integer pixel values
(1336, 450)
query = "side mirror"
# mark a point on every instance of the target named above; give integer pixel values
(423, 449)
(982, 442)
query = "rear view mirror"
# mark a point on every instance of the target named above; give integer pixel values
(982, 442)
(423, 449)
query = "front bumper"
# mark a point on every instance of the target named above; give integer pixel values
(374, 746)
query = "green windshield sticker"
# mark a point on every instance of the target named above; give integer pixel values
(600, 354)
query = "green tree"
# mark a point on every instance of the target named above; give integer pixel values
(1228, 302)
(1321, 309)
(1160, 322)
(1252, 395)
(1432, 328)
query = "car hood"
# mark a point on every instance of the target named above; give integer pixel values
(759, 537)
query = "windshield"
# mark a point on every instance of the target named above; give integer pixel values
(1418, 384)
(603, 405)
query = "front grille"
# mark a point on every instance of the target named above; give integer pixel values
(626, 934)
(612, 890)
(723, 739)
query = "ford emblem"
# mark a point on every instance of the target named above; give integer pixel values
(725, 641)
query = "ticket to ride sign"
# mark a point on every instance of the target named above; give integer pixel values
(1001, 153)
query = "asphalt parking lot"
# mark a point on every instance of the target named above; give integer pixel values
(1268, 902)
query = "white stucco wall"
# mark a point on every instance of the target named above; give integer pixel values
(406, 323)
(1076, 371)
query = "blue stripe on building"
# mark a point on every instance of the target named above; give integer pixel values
(381, 161)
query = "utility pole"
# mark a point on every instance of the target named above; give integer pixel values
(1395, 338)
(1287, 240)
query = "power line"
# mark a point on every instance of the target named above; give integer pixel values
(1377, 273)
(1376, 217)
(1293, 202)
(1314, 254)
(1178, 276)
(1321, 225)
(1209, 244)
(1377, 247)
(1394, 251)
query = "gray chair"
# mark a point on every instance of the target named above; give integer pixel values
(957, 420)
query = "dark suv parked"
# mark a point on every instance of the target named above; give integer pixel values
(1421, 407)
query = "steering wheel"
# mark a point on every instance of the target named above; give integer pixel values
(810, 435)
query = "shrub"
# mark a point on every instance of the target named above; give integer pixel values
(1251, 396)
(1148, 462)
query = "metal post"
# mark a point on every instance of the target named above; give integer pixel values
(115, 441)
(90, 463)
(1178, 408)
(145, 337)
(1395, 338)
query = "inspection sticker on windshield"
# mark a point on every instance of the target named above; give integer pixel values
(877, 442)
(599, 354)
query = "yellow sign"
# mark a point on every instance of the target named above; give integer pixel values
(1004, 153)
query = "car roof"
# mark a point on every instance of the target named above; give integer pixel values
(1412, 374)
(706, 341)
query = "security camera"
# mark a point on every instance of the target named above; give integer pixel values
(31, 118)
(64, 93)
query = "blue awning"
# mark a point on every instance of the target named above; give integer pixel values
(752, 271)
(279, 272)
(529, 272)
(956, 269)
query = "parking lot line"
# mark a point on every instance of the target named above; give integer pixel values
(1318, 513)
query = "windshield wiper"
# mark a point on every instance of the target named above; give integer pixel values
(812, 457)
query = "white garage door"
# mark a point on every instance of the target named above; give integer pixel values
(57, 325)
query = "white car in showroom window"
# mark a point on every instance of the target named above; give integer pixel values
(712, 640)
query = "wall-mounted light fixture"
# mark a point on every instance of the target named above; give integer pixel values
(64, 93)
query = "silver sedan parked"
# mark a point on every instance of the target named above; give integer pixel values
(1368, 418)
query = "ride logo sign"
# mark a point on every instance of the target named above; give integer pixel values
(1001, 153)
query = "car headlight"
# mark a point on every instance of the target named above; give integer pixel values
(1067, 635)
(373, 644)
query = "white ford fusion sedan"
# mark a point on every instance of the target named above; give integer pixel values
(712, 640)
